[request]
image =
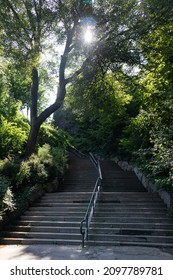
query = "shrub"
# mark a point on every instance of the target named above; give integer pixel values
(47, 164)
(9, 168)
(59, 160)
(6, 196)
(54, 137)
(12, 138)
(137, 133)
(160, 164)
(31, 171)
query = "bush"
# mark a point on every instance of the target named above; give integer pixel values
(12, 138)
(6, 196)
(160, 165)
(137, 133)
(59, 160)
(54, 137)
(9, 168)
(40, 168)
(31, 171)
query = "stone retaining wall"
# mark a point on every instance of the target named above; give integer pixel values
(165, 196)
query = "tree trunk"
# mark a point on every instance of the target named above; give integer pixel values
(32, 139)
(37, 121)
(35, 126)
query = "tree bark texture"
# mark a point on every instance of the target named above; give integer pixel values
(37, 121)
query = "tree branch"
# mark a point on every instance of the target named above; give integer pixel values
(29, 13)
(19, 20)
(49, 111)
(35, 7)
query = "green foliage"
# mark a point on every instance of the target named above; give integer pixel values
(32, 171)
(54, 137)
(54, 159)
(9, 168)
(148, 136)
(12, 138)
(160, 165)
(6, 196)
(137, 133)
(40, 168)
(14, 128)
(60, 161)
(99, 107)
(18, 82)
(26, 196)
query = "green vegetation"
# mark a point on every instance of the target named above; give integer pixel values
(113, 96)
(6, 196)
(99, 109)
(20, 178)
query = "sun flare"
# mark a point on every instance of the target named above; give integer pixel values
(88, 36)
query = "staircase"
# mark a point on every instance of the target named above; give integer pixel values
(125, 214)
(56, 218)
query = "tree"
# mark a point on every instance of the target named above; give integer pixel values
(24, 29)
(26, 24)
(150, 131)
(99, 111)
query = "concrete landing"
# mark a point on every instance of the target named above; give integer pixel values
(54, 252)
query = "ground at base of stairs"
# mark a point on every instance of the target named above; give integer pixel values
(55, 252)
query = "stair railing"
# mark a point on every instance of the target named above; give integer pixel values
(78, 153)
(85, 223)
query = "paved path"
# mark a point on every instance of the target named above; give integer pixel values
(55, 252)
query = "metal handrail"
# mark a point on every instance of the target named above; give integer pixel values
(85, 223)
(78, 153)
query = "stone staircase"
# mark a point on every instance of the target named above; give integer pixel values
(125, 214)
(131, 218)
(56, 218)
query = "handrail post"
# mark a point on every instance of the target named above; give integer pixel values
(83, 239)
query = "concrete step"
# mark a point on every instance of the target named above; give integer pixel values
(93, 236)
(135, 225)
(32, 241)
(55, 213)
(133, 210)
(104, 207)
(129, 214)
(93, 230)
(132, 197)
(63, 194)
(59, 208)
(44, 235)
(55, 208)
(53, 229)
(52, 218)
(49, 223)
(131, 231)
(128, 204)
(54, 204)
(100, 211)
(129, 243)
(132, 219)
(132, 238)
(100, 214)
(112, 219)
